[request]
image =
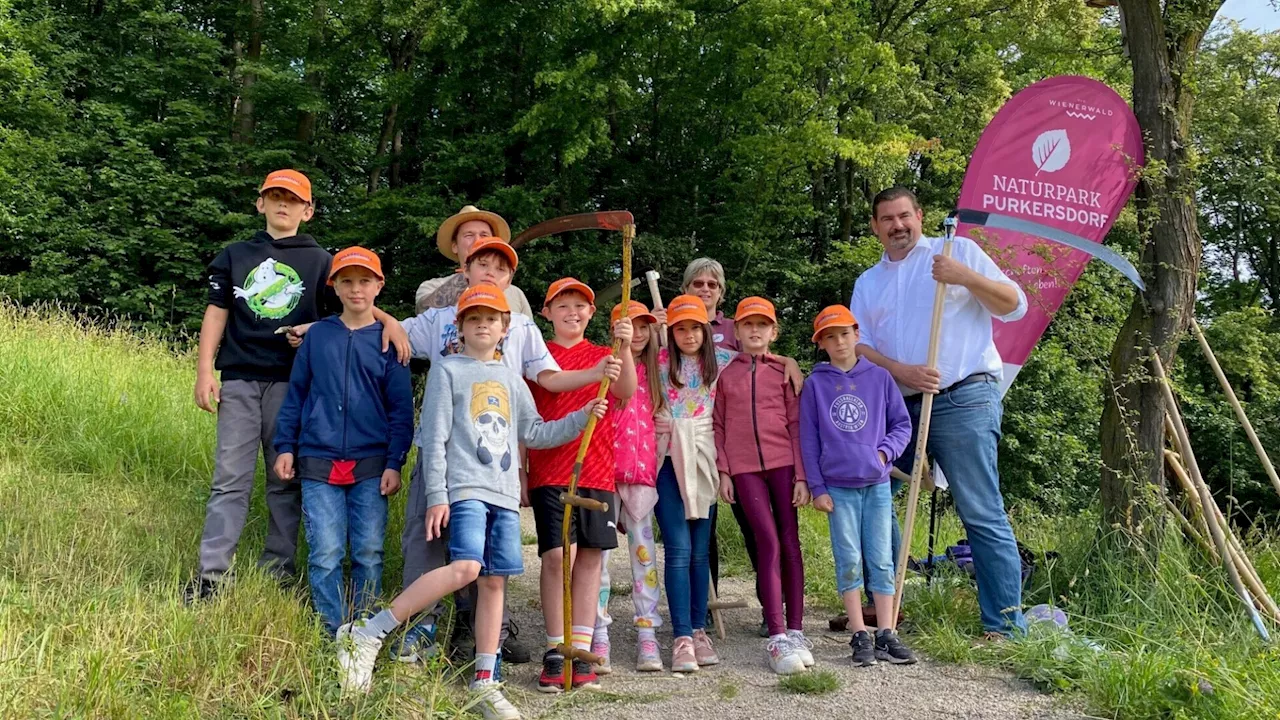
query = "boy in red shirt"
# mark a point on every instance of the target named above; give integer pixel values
(569, 306)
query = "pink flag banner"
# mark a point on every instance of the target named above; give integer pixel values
(1064, 152)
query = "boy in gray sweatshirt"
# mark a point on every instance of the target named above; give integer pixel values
(469, 436)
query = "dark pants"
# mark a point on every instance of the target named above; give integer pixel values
(765, 498)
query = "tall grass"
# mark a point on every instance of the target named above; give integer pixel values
(104, 470)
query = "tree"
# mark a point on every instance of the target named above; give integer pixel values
(1163, 39)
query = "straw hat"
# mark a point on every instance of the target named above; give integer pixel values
(444, 236)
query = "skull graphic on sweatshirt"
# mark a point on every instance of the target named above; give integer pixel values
(491, 417)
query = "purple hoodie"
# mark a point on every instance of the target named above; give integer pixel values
(844, 419)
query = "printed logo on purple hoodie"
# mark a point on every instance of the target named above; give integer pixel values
(846, 420)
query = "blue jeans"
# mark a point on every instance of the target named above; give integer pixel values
(486, 534)
(860, 537)
(686, 545)
(963, 434)
(335, 515)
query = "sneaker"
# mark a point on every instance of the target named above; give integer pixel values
(702, 649)
(889, 647)
(763, 630)
(512, 651)
(356, 655)
(552, 678)
(803, 646)
(417, 645)
(462, 642)
(648, 659)
(199, 590)
(683, 658)
(490, 701)
(600, 648)
(782, 656)
(584, 675)
(864, 649)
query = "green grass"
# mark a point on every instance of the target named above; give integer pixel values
(104, 470)
(814, 682)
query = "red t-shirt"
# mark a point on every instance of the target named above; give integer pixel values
(554, 467)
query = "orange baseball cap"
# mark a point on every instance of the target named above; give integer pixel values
(483, 295)
(833, 316)
(291, 180)
(495, 243)
(635, 310)
(356, 257)
(687, 307)
(755, 306)
(564, 285)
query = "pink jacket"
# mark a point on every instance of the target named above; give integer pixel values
(756, 418)
(635, 452)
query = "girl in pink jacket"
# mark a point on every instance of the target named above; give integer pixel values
(757, 426)
(636, 461)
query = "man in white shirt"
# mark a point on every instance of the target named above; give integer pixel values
(893, 304)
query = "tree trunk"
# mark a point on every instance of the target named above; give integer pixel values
(384, 142)
(313, 77)
(1162, 49)
(242, 127)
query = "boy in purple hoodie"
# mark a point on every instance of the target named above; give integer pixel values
(853, 425)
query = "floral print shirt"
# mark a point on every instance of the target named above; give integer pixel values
(693, 399)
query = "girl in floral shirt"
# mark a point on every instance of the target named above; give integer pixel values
(688, 481)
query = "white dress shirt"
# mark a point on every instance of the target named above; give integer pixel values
(893, 304)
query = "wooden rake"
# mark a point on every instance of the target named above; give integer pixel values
(571, 499)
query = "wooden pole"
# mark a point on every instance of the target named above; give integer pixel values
(1206, 500)
(1235, 405)
(922, 432)
(652, 276)
(1214, 514)
(566, 555)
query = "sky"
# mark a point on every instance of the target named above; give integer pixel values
(1252, 14)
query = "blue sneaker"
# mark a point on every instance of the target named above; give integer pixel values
(416, 645)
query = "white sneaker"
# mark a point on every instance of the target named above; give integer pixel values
(782, 656)
(356, 656)
(491, 703)
(803, 646)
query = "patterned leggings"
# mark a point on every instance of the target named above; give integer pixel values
(645, 592)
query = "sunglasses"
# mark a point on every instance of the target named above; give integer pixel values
(708, 284)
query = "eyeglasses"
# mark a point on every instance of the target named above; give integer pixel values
(708, 284)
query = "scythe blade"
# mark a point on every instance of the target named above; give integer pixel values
(607, 220)
(1062, 237)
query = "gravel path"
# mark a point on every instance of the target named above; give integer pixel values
(742, 685)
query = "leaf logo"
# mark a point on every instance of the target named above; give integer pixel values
(1051, 151)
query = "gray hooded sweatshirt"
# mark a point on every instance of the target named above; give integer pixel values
(474, 418)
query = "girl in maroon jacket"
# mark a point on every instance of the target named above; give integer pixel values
(757, 426)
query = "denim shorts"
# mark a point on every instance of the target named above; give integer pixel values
(860, 536)
(487, 534)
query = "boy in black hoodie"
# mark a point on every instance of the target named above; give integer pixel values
(256, 288)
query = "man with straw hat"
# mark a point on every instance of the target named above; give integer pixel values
(454, 239)
(893, 301)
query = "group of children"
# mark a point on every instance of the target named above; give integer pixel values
(685, 424)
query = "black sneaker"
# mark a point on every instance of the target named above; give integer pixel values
(889, 647)
(763, 630)
(462, 643)
(864, 649)
(512, 651)
(199, 590)
(584, 676)
(552, 678)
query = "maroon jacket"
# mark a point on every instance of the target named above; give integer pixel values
(722, 332)
(756, 418)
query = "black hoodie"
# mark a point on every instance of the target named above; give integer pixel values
(266, 283)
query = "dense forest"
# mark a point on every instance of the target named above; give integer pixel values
(133, 134)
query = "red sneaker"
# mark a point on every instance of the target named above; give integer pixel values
(552, 678)
(584, 676)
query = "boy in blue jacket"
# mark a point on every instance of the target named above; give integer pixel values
(853, 425)
(344, 430)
